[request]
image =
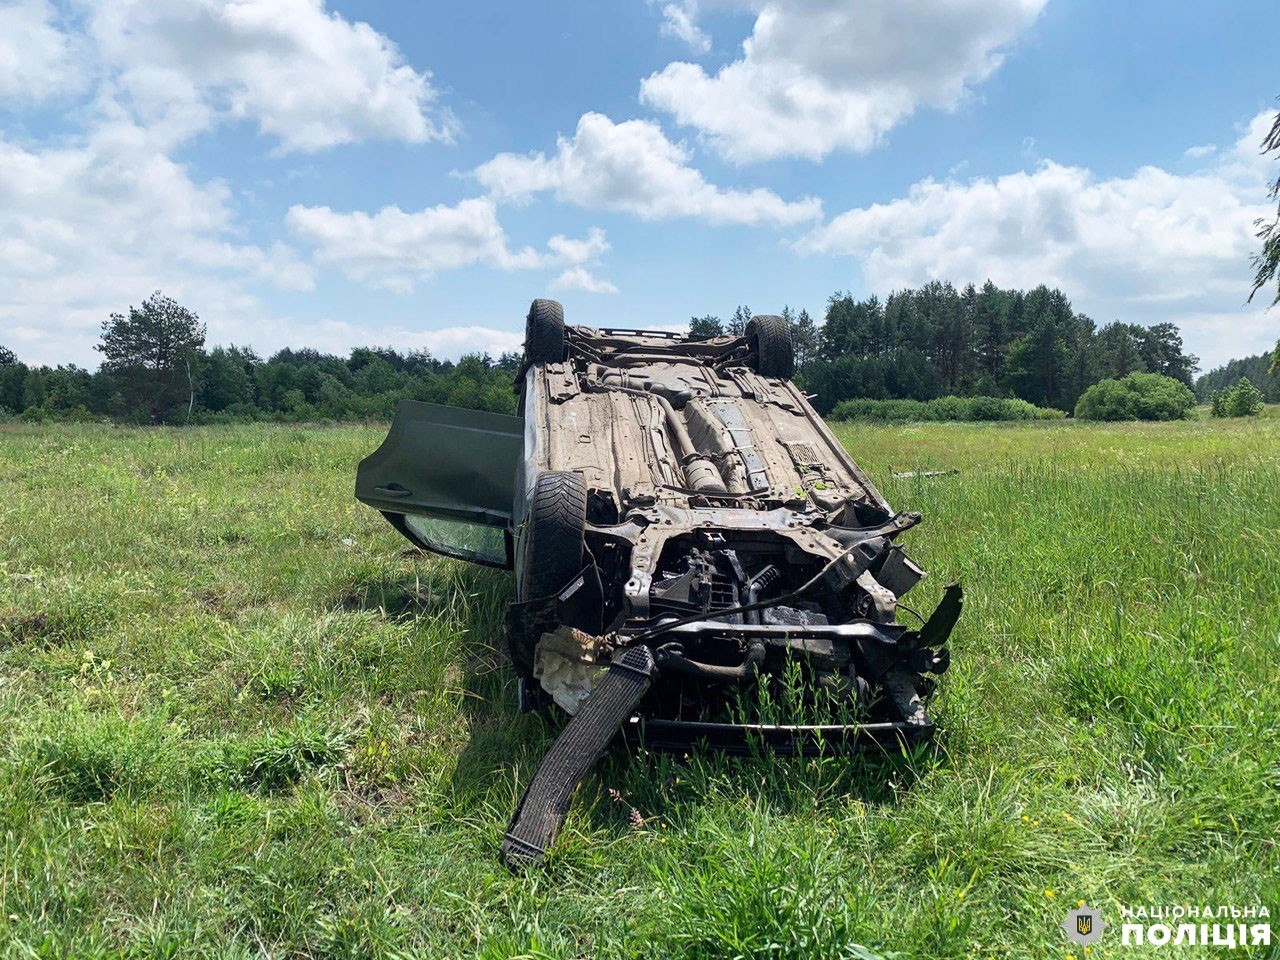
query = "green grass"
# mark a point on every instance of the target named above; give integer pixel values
(242, 720)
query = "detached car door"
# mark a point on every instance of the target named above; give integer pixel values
(445, 478)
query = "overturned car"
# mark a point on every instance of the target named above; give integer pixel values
(681, 523)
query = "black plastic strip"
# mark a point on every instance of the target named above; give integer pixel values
(540, 814)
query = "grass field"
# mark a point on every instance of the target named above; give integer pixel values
(241, 720)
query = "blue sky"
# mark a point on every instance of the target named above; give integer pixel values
(332, 174)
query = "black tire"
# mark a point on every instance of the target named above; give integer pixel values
(544, 332)
(553, 551)
(769, 338)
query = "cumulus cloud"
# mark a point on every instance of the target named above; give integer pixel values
(821, 75)
(394, 250)
(580, 278)
(89, 227)
(633, 168)
(591, 247)
(453, 342)
(1149, 246)
(96, 218)
(337, 336)
(37, 59)
(679, 21)
(304, 75)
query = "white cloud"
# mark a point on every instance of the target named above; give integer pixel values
(339, 337)
(633, 168)
(89, 227)
(821, 75)
(591, 247)
(98, 218)
(1150, 246)
(37, 59)
(447, 343)
(580, 278)
(302, 74)
(453, 342)
(1204, 150)
(395, 250)
(679, 20)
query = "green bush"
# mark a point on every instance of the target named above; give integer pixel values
(1139, 396)
(948, 408)
(1242, 400)
(961, 409)
(995, 408)
(886, 410)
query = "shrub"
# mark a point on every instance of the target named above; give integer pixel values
(1241, 400)
(1139, 396)
(993, 408)
(950, 408)
(963, 409)
(884, 410)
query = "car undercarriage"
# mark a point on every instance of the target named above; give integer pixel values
(685, 530)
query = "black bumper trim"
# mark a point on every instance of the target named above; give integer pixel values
(672, 736)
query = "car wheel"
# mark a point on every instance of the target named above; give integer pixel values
(544, 332)
(769, 338)
(553, 551)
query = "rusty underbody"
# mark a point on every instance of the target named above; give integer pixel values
(687, 536)
(712, 494)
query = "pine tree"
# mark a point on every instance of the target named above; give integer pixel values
(804, 335)
(705, 328)
(151, 352)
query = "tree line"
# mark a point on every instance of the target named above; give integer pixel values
(938, 341)
(921, 344)
(1262, 370)
(156, 370)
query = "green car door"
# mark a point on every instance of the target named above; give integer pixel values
(445, 478)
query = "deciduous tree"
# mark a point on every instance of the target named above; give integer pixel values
(705, 328)
(1267, 260)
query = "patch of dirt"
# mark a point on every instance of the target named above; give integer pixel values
(215, 603)
(19, 627)
(362, 803)
(395, 600)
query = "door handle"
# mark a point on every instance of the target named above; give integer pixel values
(393, 490)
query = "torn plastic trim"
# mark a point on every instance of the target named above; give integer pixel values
(542, 808)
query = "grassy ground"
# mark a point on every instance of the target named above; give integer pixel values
(242, 721)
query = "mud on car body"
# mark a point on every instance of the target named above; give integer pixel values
(680, 522)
